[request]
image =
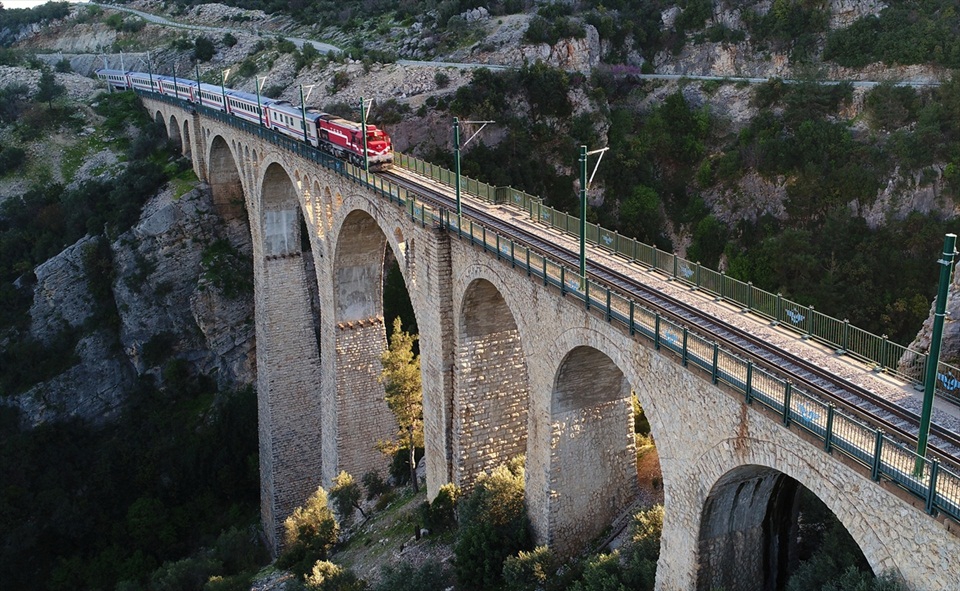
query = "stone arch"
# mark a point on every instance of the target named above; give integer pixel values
(162, 121)
(223, 174)
(362, 416)
(493, 394)
(174, 129)
(280, 213)
(748, 519)
(592, 464)
(187, 144)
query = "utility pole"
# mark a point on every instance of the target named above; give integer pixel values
(259, 106)
(363, 130)
(223, 88)
(456, 156)
(933, 356)
(584, 184)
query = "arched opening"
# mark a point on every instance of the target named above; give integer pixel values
(493, 394)
(288, 361)
(174, 129)
(161, 121)
(223, 174)
(760, 528)
(593, 465)
(363, 418)
(187, 145)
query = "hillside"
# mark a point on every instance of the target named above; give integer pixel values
(125, 327)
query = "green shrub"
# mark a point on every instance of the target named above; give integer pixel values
(529, 571)
(346, 494)
(602, 573)
(493, 526)
(188, 574)
(240, 549)
(431, 575)
(441, 79)
(229, 40)
(11, 159)
(440, 514)
(203, 49)
(309, 533)
(327, 576)
(374, 483)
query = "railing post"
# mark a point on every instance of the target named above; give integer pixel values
(778, 311)
(716, 363)
(749, 302)
(527, 248)
(748, 387)
(723, 276)
(513, 257)
(563, 283)
(632, 329)
(656, 331)
(810, 313)
(845, 338)
(877, 456)
(674, 267)
(828, 436)
(544, 259)
(498, 245)
(586, 292)
(932, 486)
(609, 312)
(882, 362)
(684, 356)
(787, 393)
(697, 286)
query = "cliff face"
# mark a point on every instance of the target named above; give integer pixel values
(168, 308)
(164, 293)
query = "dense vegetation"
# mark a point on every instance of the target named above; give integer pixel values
(824, 253)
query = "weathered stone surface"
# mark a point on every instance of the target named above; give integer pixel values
(93, 390)
(160, 289)
(61, 297)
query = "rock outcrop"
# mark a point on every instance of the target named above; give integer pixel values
(163, 294)
(166, 303)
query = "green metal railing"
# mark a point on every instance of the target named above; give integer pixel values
(882, 456)
(844, 338)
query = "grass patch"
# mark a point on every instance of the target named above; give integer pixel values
(183, 182)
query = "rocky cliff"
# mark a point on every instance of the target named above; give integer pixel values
(169, 303)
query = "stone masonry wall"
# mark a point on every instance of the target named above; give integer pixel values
(288, 380)
(593, 473)
(363, 417)
(491, 406)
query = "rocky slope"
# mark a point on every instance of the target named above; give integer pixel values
(164, 299)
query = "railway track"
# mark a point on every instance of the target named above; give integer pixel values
(860, 402)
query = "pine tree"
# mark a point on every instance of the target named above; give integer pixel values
(49, 88)
(404, 394)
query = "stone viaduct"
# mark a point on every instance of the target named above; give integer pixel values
(510, 366)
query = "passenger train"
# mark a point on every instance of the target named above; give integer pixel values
(332, 134)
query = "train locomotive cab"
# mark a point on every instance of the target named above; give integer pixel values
(379, 148)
